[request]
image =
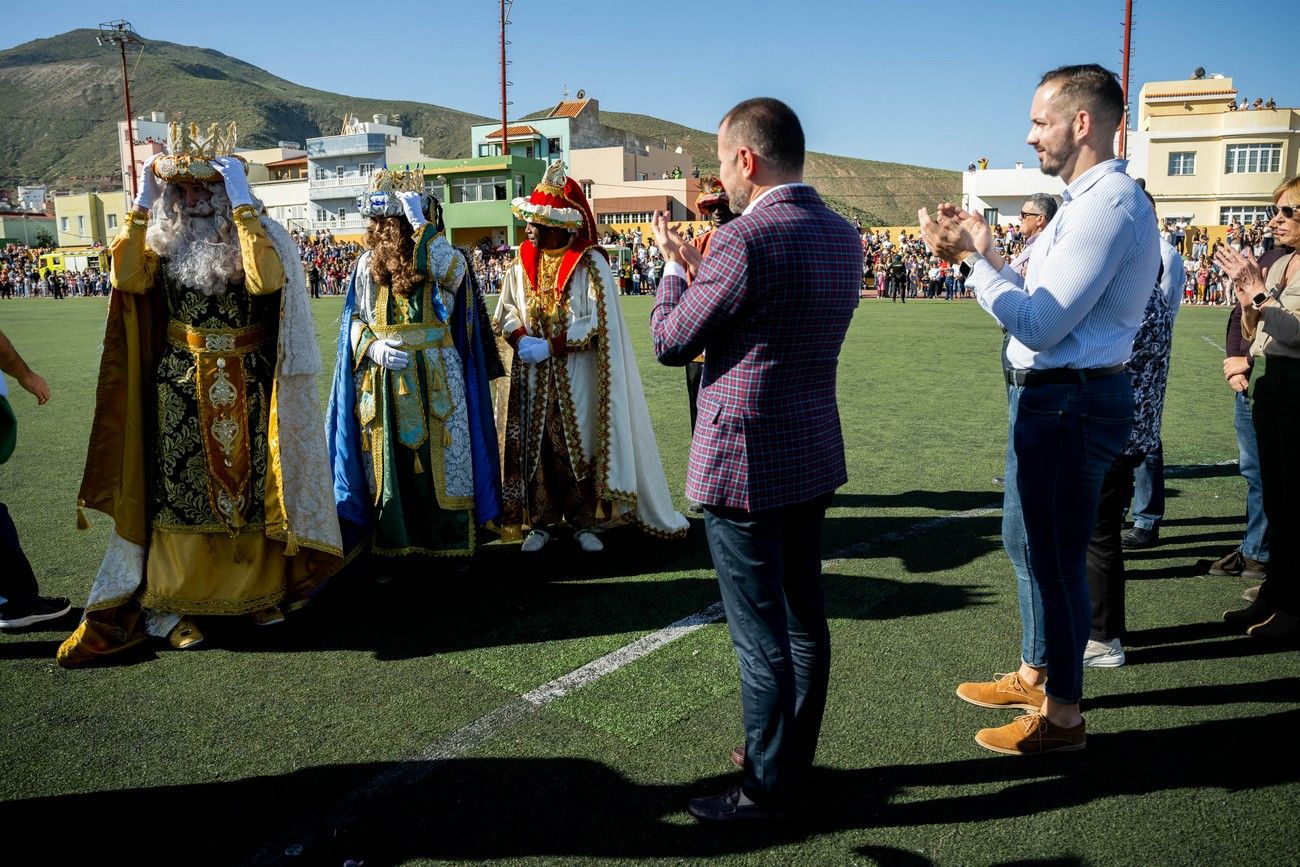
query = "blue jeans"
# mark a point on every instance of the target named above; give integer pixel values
(1255, 545)
(1065, 437)
(1033, 647)
(1149, 490)
(769, 572)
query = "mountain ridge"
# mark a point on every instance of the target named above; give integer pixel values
(60, 98)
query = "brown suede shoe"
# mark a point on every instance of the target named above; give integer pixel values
(1007, 691)
(737, 756)
(1032, 734)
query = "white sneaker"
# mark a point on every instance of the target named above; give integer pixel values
(1103, 654)
(588, 541)
(535, 541)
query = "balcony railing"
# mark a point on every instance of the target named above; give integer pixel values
(345, 181)
(348, 224)
(344, 145)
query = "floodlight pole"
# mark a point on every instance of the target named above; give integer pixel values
(505, 139)
(121, 33)
(1128, 44)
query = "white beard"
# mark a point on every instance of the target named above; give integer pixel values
(199, 243)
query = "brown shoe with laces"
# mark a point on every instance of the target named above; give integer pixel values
(1007, 691)
(1031, 735)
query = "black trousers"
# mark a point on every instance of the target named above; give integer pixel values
(769, 573)
(694, 372)
(17, 581)
(1276, 413)
(1106, 554)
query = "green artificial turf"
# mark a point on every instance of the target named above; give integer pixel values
(213, 755)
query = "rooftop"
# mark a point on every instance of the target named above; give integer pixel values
(569, 108)
(522, 129)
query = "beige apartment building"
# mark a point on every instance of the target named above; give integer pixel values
(1207, 159)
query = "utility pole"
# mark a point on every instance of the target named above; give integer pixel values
(1128, 43)
(121, 34)
(505, 19)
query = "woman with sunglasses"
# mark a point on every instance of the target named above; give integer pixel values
(1270, 319)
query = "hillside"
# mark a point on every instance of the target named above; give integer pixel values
(60, 99)
(877, 193)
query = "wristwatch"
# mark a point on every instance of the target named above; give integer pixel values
(1258, 301)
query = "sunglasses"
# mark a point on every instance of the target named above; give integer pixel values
(1288, 211)
(1024, 214)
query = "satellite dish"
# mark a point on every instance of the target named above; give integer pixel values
(1198, 72)
(582, 94)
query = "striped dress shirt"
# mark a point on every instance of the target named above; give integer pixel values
(1089, 279)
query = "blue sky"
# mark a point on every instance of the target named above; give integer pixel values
(933, 84)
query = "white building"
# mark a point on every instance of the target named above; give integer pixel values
(998, 194)
(278, 177)
(148, 137)
(339, 169)
(32, 198)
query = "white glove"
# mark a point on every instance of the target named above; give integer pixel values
(411, 207)
(150, 186)
(232, 172)
(386, 354)
(533, 349)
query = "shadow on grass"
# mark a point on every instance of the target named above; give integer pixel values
(939, 501)
(1202, 471)
(397, 621)
(1281, 690)
(478, 809)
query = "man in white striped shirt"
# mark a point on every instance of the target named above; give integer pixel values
(1072, 319)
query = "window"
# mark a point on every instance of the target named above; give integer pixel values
(1182, 163)
(485, 189)
(626, 217)
(321, 173)
(320, 215)
(112, 221)
(63, 224)
(528, 152)
(991, 216)
(586, 189)
(81, 224)
(1245, 214)
(343, 213)
(366, 169)
(1253, 158)
(552, 146)
(338, 172)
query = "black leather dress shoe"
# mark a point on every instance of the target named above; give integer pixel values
(1140, 537)
(726, 807)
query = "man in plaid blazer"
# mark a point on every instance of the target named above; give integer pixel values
(770, 303)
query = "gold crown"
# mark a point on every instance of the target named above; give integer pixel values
(397, 181)
(381, 199)
(190, 152)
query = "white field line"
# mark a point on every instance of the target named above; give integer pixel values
(1218, 346)
(414, 767)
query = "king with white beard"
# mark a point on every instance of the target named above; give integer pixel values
(208, 446)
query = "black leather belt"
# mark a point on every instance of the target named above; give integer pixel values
(1057, 375)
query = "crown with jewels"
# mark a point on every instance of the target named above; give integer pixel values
(381, 199)
(554, 202)
(190, 152)
(712, 194)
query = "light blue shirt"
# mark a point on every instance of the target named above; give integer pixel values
(1089, 279)
(1174, 278)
